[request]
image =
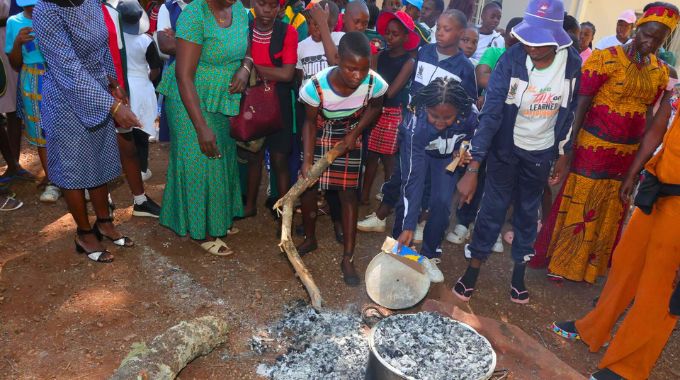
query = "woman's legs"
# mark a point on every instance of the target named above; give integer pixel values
(254, 164)
(14, 134)
(372, 159)
(309, 210)
(388, 161)
(75, 200)
(280, 165)
(7, 151)
(350, 206)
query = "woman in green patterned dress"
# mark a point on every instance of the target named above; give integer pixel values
(202, 195)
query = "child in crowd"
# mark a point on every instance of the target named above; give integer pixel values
(143, 67)
(441, 118)
(488, 36)
(412, 8)
(524, 126)
(24, 56)
(439, 60)
(315, 54)
(395, 66)
(274, 50)
(429, 14)
(391, 6)
(341, 102)
(468, 43)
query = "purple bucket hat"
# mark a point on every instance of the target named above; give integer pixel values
(542, 25)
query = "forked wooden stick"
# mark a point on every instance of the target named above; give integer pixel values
(287, 203)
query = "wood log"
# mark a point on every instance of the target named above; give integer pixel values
(285, 205)
(171, 351)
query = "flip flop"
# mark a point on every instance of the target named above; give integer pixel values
(10, 204)
(466, 294)
(518, 297)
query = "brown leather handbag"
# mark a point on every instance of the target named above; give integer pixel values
(260, 112)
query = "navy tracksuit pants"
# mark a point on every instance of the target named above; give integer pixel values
(521, 178)
(442, 188)
(467, 214)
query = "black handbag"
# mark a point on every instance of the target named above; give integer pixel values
(650, 190)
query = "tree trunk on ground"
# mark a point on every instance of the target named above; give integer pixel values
(171, 351)
(287, 202)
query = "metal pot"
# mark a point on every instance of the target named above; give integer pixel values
(379, 369)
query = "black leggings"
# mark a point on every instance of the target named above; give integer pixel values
(142, 144)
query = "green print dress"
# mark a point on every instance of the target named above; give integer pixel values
(202, 195)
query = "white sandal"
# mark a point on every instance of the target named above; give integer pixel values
(213, 247)
(10, 204)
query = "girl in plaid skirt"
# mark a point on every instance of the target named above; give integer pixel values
(340, 102)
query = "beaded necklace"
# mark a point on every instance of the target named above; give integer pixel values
(262, 37)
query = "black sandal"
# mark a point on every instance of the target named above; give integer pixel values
(122, 241)
(98, 256)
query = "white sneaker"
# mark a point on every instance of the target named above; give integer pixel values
(418, 234)
(147, 175)
(459, 235)
(498, 245)
(379, 196)
(467, 252)
(371, 223)
(432, 270)
(51, 194)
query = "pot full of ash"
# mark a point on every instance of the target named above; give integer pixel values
(428, 346)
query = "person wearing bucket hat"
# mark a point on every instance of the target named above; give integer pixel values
(412, 8)
(624, 26)
(143, 66)
(395, 66)
(24, 56)
(619, 88)
(524, 126)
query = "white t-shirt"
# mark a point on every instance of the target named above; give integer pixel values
(540, 103)
(312, 56)
(608, 42)
(433, 35)
(163, 23)
(486, 41)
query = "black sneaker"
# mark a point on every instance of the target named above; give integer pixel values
(149, 209)
(606, 374)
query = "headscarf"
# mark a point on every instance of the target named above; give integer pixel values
(661, 14)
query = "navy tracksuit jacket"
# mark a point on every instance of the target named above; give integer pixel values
(511, 171)
(425, 150)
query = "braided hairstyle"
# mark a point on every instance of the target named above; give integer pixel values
(443, 91)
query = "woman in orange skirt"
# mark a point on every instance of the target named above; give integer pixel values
(644, 268)
(618, 87)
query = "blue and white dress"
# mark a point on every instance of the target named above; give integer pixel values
(82, 151)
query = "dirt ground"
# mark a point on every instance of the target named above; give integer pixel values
(64, 317)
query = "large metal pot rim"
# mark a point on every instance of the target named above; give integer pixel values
(371, 345)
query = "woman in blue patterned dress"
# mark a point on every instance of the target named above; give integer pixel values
(78, 113)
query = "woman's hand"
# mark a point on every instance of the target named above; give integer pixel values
(560, 170)
(467, 187)
(405, 239)
(117, 91)
(239, 81)
(208, 142)
(123, 116)
(627, 187)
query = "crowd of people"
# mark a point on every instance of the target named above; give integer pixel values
(498, 115)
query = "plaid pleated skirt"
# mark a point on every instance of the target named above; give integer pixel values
(383, 137)
(345, 171)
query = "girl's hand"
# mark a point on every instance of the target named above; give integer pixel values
(560, 170)
(306, 166)
(626, 189)
(24, 36)
(467, 187)
(467, 158)
(239, 81)
(405, 239)
(350, 142)
(123, 116)
(208, 142)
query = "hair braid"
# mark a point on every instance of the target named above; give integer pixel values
(443, 91)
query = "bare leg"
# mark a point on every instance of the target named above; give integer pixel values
(350, 206)
(309, 210)
(255, 161)
(75, 200)
(372, 160)
(42, 153)
(7, 153)
(14, 133)
(388, 165)
(100, 202)
(280, 165)
(130, 162)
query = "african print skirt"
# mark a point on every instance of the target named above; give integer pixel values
(587, 217)
(31, 80)
(383, 138)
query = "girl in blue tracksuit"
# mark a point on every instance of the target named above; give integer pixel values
(429, 139)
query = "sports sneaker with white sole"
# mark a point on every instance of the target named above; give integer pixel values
(498, 245)
(467, 252)
(459, 234)
(379, 197)
(147, 175)
(432, 270)
(51, 194)
(371, 223)
(418, 234)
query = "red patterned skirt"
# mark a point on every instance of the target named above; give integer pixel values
(383, 138)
